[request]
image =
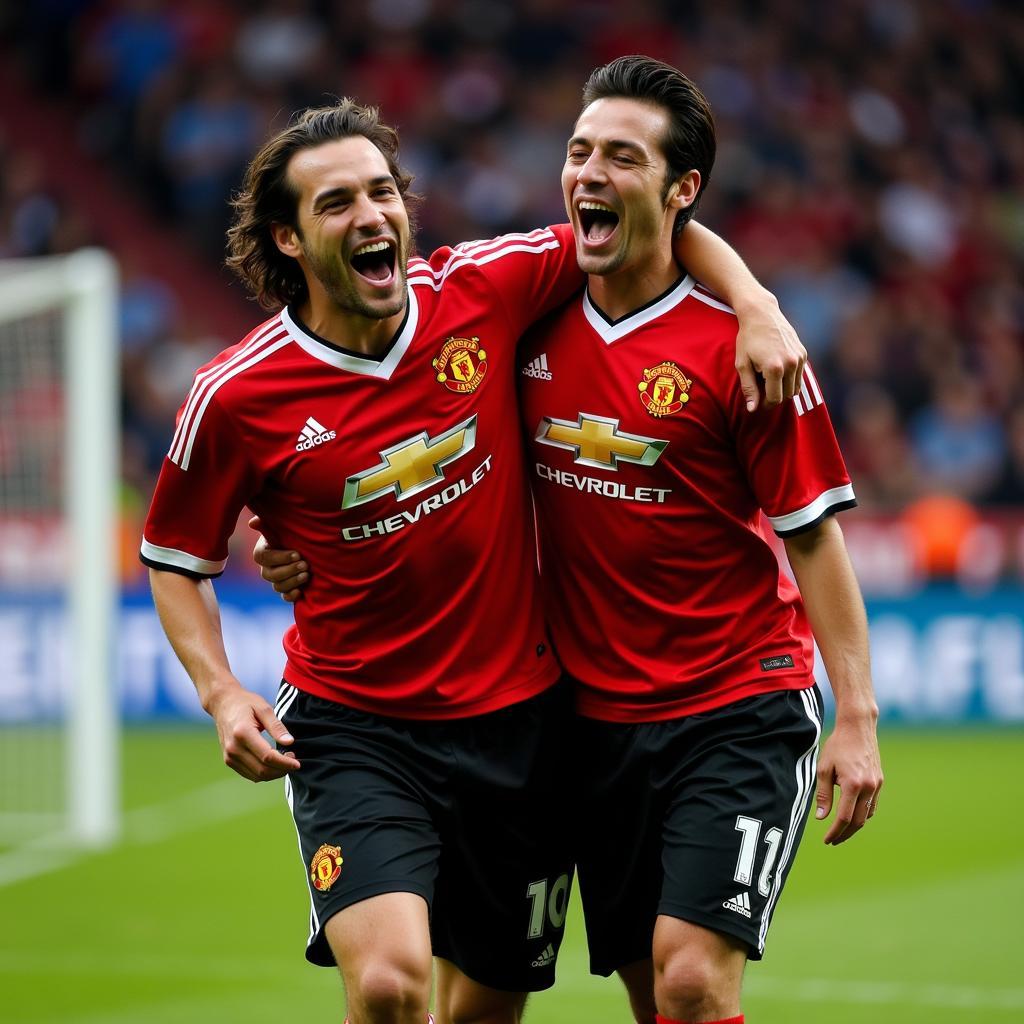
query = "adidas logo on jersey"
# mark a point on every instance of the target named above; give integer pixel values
(538, 368)
(546, 957)
(312, 434)
(740, 904)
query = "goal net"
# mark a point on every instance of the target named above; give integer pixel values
(58, 575)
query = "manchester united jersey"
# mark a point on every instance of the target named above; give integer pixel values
(400, 479)
(649, 476)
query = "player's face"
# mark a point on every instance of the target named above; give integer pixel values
(613, 184)
(353, 233)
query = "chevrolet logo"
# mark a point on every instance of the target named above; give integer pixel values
(597, 441)
(411, 466)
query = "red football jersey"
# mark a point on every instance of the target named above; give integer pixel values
(400, 479)
(649, 477)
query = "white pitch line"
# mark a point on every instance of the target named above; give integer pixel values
(896, 993)
(219, 801)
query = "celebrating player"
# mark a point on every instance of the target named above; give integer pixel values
(691, 653)
(371, 423)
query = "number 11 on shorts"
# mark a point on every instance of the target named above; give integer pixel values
(547, 906)
(750, 829)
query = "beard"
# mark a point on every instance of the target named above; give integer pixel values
(338, 280)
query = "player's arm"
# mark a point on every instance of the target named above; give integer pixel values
(191, 619)
(849, 758)
(766, 343)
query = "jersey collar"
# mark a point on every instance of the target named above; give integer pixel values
(382, 368)
(612, 330)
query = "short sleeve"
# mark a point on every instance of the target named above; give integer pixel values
(198, 498)
(792, 459)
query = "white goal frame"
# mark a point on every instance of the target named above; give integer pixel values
(84, 287)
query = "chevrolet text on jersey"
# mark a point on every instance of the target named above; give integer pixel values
(407, 518)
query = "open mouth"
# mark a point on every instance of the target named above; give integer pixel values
(375, 261)
(597, 221)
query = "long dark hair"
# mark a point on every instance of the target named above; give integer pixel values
(267, 198)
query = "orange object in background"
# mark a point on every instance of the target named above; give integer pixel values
(940, 526)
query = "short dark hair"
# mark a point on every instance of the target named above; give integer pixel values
(689, 143)
(268, 198)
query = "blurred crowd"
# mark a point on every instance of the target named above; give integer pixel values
(870, 169)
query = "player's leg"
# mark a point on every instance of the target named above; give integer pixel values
(505, 870)
(382, 948)
(639, 981)
(362, 806)
(461, 1000)
(741, 778)
(697, 972)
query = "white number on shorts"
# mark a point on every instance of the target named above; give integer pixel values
(751, 829)
(773, 837)
(554, 905)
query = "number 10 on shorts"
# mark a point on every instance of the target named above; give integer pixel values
(547, 905)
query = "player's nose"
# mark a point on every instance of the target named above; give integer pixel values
(367, 214)
(592, 170)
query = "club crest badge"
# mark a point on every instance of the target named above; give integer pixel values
(664, 390)
(461, 365)
(325, 867)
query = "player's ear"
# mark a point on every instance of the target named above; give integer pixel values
(286, 238)
(683, 191)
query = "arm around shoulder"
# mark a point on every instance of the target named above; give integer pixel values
(766, 343)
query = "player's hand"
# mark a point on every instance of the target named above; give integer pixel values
(242, 717)
(284, 570)
(766, 344)
(850, 760)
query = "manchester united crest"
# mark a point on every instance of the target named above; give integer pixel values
(461, 364)
(664, 390)
(325, 867)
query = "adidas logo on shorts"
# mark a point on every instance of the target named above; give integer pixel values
(546, 957)
(312, 434)
(740, 904)
(538, 368)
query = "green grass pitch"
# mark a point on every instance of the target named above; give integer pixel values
(199, 914)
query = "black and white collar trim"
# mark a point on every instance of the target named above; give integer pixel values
(323, 350)
(611, 331)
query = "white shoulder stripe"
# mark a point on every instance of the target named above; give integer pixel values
(809, 376)
(710, 301)
(205, 378)
(214, 387)
(811, 513)
(460, 259)
(482, 245)
(810, 395)
(182, 559)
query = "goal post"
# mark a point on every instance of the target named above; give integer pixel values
(66, 306)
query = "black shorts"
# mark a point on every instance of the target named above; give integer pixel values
(697, 818)
(469, 814)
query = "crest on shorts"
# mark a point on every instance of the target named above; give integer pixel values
(325, 867)
(664, 390)
(461, 364)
